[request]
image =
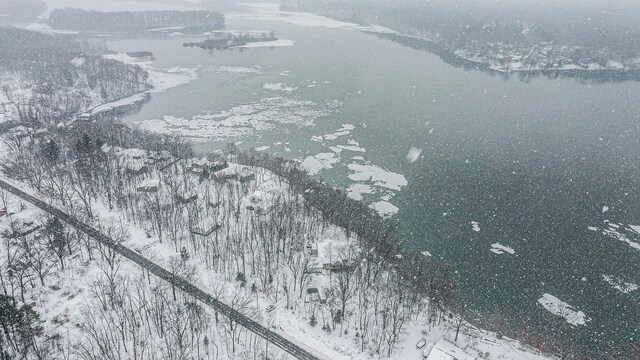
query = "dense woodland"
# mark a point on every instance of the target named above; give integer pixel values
(599, 30)
(83, 20)
(13, 11)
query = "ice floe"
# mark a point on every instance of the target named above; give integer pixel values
(384, 208)
(241, 120)
(500, 249)
(377, 175)
(314, 164)
(619, 284)
(279, 87)
(561, 308)
(475, 226)
(355, 191)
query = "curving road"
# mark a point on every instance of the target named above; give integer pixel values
(162, 273)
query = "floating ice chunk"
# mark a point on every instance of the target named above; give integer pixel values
(426, 253)
(593, 228)
(605, 209)
(384, 208)
(414, 154)
(355, 191)
(378, 175)
(262, 148)
(314, 164)
(619, 284)
(475, 226)
(500, 249)
(561, 308)
(279, 87)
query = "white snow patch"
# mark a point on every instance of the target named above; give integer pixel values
(561, 308)
(78, 61)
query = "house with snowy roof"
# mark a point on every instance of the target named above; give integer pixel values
(444, 350)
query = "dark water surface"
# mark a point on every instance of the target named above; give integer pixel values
(533, 163)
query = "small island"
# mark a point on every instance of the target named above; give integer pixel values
(227, 40)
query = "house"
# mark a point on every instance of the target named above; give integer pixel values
(444, 350)
(200, 166)
(206, 231)
(336, 266)
(219, 165)
(313, 250)
(246, 176)
(149, 186)
(186, 199)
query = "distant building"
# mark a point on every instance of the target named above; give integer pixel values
(445, 350)
(205, 231)
(246, 176)
(149, 186)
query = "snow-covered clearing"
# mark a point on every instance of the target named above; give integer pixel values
(560, 308)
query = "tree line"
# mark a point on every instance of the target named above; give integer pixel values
(120, 21)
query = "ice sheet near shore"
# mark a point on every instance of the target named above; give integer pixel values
(263, 115)
(561, 308)
(271, 12)
(273, 43)
(384, 208)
